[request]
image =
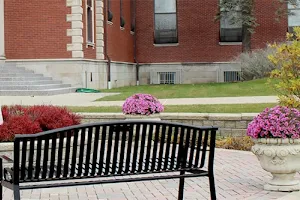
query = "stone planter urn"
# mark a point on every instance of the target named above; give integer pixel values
(280, 157)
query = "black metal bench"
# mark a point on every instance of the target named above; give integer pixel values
(88, 153)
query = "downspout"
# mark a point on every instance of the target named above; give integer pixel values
(134, 46)
(106, 6)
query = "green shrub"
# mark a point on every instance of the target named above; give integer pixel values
(255, 64)
(236, 143)
(287, 60)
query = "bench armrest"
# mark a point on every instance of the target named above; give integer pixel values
(7, 158)
(8, 174)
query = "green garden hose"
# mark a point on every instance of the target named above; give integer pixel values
(87, 90)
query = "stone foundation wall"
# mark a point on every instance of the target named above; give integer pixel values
(229, 124)
(187, 73)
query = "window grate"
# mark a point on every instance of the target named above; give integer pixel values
(232, 76)
(167, 77)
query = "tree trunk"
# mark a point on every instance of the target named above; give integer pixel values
(246, 39)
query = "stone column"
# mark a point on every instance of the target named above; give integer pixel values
(76, 47)
(2, 50)
(99, 30)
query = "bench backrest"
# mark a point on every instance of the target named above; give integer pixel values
(111, 149)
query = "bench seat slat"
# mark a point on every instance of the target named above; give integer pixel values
(81, 150)
(109, 150)
(174, 147)
(101, 156)
(122, 152)
(74, 153)
(95, 152)
(59, 154)
(136, 147)
(38, 158)
(87, 170)
(128, 154)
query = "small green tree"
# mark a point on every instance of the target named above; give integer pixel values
(287, 59)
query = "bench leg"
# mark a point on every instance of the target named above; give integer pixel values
(212, 187)
(181, 186)
(16, 192)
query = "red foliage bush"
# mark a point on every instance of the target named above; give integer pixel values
(34, 119)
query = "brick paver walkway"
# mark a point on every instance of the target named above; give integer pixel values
(238, 175)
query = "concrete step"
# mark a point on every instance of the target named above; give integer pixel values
(15, 70)
(18, 81)
(20, 75)
(26, 78)
(47, 92)
(5, 67)
(37, 82)
(34, 87)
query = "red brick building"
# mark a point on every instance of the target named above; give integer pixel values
(113, 43)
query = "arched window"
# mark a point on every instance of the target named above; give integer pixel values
(90, 21)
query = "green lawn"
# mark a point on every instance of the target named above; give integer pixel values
(219, 108)
(246, 88)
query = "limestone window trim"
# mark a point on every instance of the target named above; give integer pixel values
(230, 43)
(166, 45)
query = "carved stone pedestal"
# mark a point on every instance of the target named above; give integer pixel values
(280, 157)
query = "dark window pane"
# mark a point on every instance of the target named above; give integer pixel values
(90, 25)
(89, 3)
(231, 27)
(231, 20)
(165, 21)
(231, 35)
(165, 6)
(165, 36)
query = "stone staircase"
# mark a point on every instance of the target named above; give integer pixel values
(17, 81)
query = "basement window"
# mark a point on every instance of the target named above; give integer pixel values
(167, 77)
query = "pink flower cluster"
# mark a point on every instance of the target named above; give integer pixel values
(277, 122)
(142, 104)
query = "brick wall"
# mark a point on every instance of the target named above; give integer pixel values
(120, 42)
(89, 51)
(269, 29)
(198, 34)
(36, 29)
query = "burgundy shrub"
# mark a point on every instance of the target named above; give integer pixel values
(34, 119)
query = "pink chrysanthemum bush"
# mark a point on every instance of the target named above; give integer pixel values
(142, 104)
(276, 122)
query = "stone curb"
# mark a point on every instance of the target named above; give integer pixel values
(185, 116)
